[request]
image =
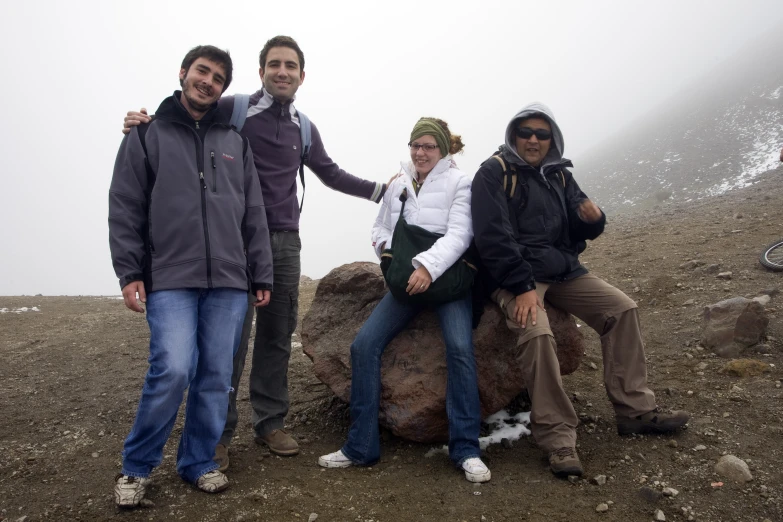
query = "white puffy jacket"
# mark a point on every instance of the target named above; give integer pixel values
(442, 206)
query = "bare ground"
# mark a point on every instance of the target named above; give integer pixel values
(71, 375)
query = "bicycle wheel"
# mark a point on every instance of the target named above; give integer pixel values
(772, 256)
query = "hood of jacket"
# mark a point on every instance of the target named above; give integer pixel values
(557, 147)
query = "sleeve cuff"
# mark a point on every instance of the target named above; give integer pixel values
(377, 194)
(255, 287)
(521, 288)
(125, 281)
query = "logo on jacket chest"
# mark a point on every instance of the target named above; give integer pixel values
(229, 157)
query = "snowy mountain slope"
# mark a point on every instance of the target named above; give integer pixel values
(720, 134)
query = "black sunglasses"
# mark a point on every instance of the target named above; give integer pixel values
(526, 132)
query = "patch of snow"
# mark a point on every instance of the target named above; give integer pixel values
(19, 310)
(504, 426)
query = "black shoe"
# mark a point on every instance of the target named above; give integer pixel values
(655, 421)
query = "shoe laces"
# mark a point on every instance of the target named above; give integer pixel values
(474, 464)
(126, 479)
(654, 414)
(563, 452)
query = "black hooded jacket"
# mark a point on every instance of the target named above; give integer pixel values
(536, 234)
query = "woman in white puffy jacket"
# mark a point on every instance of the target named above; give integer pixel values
(439, 201)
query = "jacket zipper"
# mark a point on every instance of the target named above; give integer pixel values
(200, 167)
(277, 129)
(214, 172)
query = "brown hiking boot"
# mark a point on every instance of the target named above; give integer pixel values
(279, 442)
(564, 462)
(221, 457)
(655, 421)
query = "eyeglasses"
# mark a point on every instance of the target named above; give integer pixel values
(526, 132)
(428, 147)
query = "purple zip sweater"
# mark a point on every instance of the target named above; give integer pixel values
(272, 129)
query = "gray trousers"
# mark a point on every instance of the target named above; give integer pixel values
(275, 323)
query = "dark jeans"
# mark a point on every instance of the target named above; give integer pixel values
(462, 396)
(275, 323)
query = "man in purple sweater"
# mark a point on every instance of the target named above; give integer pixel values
(272, 128)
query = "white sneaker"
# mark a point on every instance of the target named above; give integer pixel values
(212, 482)
(476, 470)
(335, 460)
(128, 491)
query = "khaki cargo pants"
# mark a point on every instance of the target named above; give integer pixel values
(609, 312)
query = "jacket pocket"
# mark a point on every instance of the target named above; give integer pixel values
(293, 311)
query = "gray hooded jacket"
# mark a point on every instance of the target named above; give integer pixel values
(185, 206)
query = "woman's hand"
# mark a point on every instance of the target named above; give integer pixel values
(419, 281)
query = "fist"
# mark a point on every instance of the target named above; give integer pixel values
(589, 211)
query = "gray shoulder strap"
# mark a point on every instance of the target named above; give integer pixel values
(239, 114)
(307, 139)
(306, 133)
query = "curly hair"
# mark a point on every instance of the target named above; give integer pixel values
(455, 140)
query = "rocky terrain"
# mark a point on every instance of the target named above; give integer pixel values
(71, 370)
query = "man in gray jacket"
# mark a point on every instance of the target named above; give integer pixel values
(189, 237)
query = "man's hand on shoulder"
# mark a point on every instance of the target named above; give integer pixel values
(589, 212)
(135, 118)
(129, 295)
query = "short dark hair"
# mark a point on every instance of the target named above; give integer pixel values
(212, 53)
(281, 41)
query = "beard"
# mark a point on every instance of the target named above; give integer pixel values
(188, 90)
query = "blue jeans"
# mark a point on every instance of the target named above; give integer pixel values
(193, 336)
(462, 397)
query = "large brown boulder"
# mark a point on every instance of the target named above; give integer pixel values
(413, 367)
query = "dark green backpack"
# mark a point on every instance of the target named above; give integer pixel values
(396, 263)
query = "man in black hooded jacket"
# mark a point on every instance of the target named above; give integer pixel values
(531, 221)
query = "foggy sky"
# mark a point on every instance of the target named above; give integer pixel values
(73, 69)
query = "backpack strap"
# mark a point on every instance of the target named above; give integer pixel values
(560, 192)
(239, 113)
(305, 132)
(151, 176)
(509, 179)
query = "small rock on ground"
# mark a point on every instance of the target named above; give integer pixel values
(659, 516)
(670, 492)
(650, 495)
(733, 468)
(602, 507)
